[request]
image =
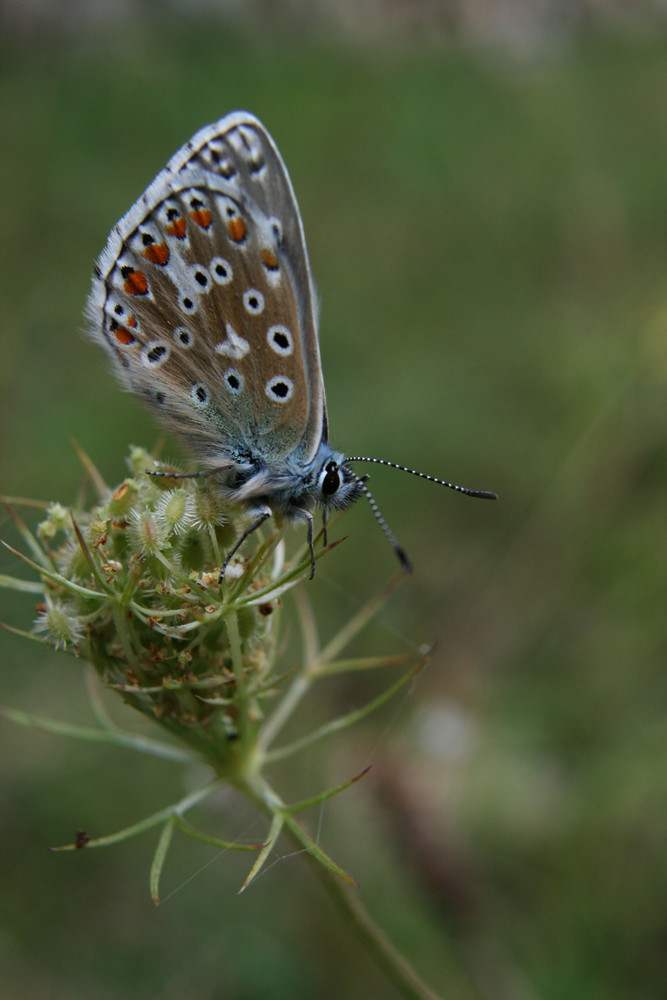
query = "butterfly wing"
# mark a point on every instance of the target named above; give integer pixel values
(204, 300)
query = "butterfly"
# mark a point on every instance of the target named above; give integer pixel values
(203, 299)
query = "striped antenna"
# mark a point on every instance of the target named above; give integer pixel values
(482, 494)
(402, 556)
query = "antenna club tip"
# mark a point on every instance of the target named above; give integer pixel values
(403, 559)
(479, 494)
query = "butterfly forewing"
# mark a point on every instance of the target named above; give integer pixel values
(204, 298)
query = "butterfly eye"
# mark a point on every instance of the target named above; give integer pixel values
(330, 481)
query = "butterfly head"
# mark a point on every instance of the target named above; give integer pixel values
(337, 487)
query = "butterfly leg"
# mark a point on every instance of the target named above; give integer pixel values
(307, 516)
(181, 475)
(263, 515)
(325, 534)
(310, 544)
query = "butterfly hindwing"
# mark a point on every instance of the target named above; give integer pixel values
(204, 299)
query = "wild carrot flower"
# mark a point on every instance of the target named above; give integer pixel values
(133, 586)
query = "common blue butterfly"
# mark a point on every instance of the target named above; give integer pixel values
(203, 298)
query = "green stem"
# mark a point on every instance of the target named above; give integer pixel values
(342, 722)
(232, 625)
(385, 953)
(299, 688)
(347, 898)
(303, 680)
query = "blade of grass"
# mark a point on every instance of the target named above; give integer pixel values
(159, 858)
(328, 794)
(274, 832)
(342, 722)
(54, 577)
(27, 535)
(205, 838)
(96, 479)
(27, 586)
(129, 741)
(150, 821)
(362, 617)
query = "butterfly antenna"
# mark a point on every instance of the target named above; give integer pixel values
(482, 494)
(402, 556)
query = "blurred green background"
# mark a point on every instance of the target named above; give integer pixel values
(486, 212)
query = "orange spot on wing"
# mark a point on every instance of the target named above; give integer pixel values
(177, 228)
(123, 336)
(236, 229)
(269, 259)
(157, 253)
(202, 216)
(135, 283)
(132, 321)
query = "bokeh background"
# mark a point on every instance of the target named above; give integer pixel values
(483, 187)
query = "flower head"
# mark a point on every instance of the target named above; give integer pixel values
(63, 627)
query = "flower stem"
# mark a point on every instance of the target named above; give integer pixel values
(348, 900)
(346, 897)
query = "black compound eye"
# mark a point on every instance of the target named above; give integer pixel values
(331, 480)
